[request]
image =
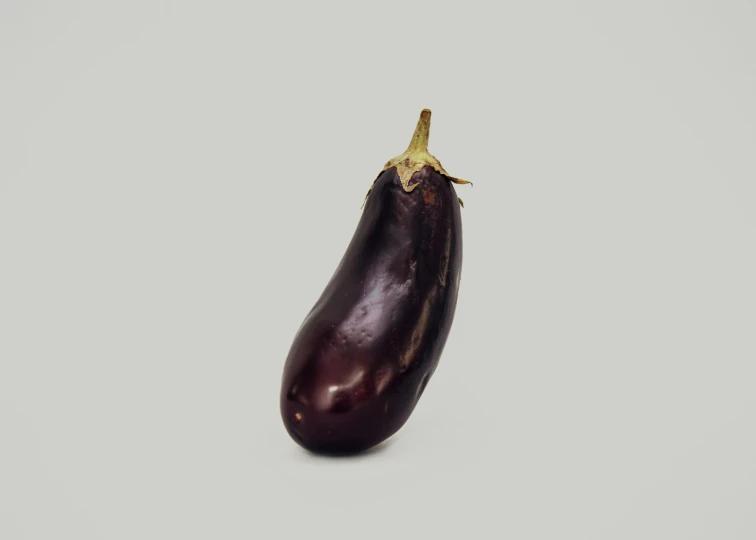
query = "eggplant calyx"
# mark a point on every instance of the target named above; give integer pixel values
(417, 156)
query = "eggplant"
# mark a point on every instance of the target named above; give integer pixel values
(366, 351)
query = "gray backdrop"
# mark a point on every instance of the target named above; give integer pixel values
(178, 181)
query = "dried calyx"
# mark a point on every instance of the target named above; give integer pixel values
(417, 156)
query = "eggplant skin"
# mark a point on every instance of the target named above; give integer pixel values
(367, 349)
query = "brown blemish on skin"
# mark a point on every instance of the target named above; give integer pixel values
(298, 417)
(429, 197)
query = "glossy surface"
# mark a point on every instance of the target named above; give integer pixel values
(363, 355)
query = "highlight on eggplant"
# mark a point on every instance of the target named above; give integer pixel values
(364, 354)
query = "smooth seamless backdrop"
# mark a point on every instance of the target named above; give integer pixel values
(178, 181)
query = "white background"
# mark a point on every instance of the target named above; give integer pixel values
(179, 180)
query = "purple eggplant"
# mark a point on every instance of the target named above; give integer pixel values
(366, 351)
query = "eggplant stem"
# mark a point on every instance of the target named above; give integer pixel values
(419, 142)
(417, 156)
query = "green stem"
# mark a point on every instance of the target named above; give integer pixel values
(419, 142)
